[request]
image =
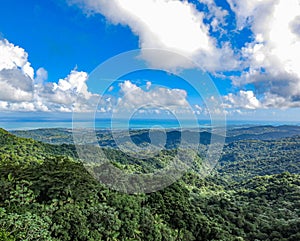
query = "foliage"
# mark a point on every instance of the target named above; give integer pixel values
(47, 194)
(246, 159)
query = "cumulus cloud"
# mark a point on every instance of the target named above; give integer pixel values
(248, 11)
(273, 57)
(70, 93)
(248, 100)
(176, 26)
(269, 63)
(16, 73)
(23, 90)
(15, 86)
(243, 99)
(41, 76)
(295, 26)
(134, 97)
(148, 85)
(14, 57)
(75, 82)
(198, 109)
(216, 15)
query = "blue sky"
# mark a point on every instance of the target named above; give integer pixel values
(249, 49)
(59, 37)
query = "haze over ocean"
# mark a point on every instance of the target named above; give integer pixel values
(17, 124)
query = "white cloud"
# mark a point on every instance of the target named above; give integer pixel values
(3, 105)
(20, 91)
(270, 62)
(248, 11)
(175, 25)
(41, 76)
(273, 57)
(271, 100)
(186, 34)
(248, 100)
(243, 99)
(15, 86)
(75, 82)
(70, 92)
(111, 88)
(14, 57)
(148, 85)
(22, 106)
(198, 109)
(216, 15)
(15, 73)
(134, 97)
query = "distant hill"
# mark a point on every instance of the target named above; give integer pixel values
(172, 138)
(262, 133)
(249, 152)
(47, 135)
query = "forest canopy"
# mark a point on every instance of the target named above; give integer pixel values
(46, 193)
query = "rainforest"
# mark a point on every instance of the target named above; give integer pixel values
(253, 193)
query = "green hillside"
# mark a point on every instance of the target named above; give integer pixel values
(24, 150)
(249, 158)
(46, 194)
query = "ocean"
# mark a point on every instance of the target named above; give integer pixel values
(23, 124)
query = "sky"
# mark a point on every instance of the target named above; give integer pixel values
(50, 53)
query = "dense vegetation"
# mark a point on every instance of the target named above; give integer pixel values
(249, 158)
(64, 136)
(47, 194)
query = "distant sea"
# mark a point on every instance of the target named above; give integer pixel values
(17, 124)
